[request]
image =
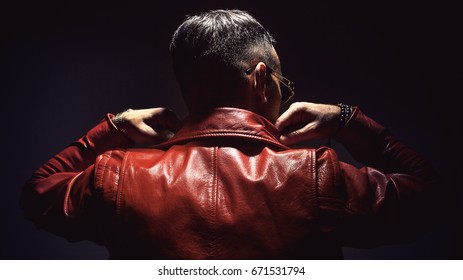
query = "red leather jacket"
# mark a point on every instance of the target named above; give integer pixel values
(224, 187)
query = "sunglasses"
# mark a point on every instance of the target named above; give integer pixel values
(287, 87)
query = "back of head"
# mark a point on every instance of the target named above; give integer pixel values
(210, 52)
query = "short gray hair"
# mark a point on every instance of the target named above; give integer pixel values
(212, 46)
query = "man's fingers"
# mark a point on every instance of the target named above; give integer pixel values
(288, 118)
(298, 135)
(283, 121)
(162, 118)
(151, 126)
(290, 138)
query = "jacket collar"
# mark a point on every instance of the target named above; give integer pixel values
(226, 123)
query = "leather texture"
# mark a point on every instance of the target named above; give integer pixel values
(224, 187)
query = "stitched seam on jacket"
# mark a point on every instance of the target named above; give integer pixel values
(213, 201)
(100, 178)
(313, 181)
(120, 186)
(231, 134)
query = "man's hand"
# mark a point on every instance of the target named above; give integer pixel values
(307, 121)
(149, 126)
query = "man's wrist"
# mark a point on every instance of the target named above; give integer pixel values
(119, 121)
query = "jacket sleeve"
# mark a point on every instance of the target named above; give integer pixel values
(61, 196)
(394, 198)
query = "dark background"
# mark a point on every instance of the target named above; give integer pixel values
(65, 64)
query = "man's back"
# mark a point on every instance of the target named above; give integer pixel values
(225, 188)
(231, 192)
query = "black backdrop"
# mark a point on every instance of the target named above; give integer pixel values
(67, 63)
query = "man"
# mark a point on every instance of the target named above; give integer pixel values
(224, 183)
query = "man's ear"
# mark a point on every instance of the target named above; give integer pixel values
(260, 81)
